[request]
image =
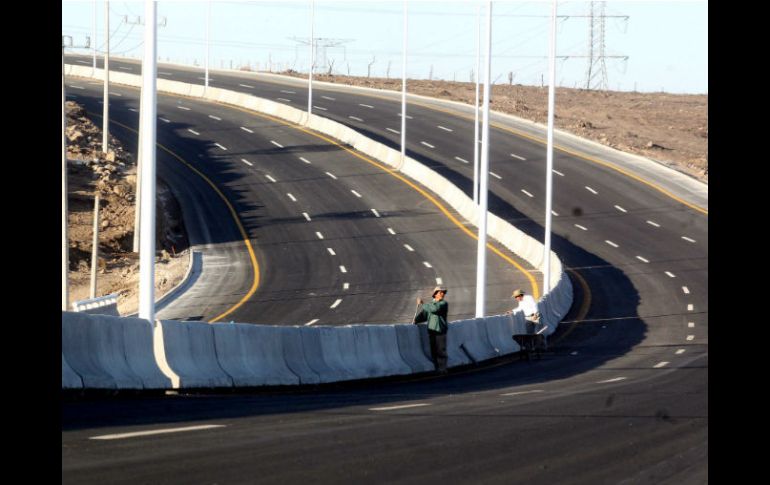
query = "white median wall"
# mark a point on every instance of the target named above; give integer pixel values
(200, 357)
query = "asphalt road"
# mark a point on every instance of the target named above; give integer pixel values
(620, 398)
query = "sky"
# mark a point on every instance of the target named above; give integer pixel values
(649, 46)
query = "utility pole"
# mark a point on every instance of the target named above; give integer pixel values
(476, 106)
(93, 25)
(149, 120)
(106, 109)
(481, 264)
(95, 246)
(549, 154)
(208, 30)
(403, 88)
(312, 62)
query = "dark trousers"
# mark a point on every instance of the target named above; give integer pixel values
(438, 350)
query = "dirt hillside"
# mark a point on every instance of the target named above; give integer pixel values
(113, 177)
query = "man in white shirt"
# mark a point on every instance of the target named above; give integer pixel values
(529, 308)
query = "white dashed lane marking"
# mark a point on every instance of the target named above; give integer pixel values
(246, 129)
(306, 216)
(327, 97)
(403, 406)
(165, 120)
(611, 243)
(688, 239)
(690, 307)
(247, 162)
(670, 274)
(291, 197)
(581, 227)
(287, 92)
(246, 86)
(331, 175)
(321, 108)
(495, 175)
(276, 143)
(356, 118)
(519, 393)
(336, 303)
(642, 259)
(691, 324)
(184, 108)
(391, 231)
(691, 337)
(652, 223)
(283, 99)
(305, 160)
(366, 105)
(558, 173)
(686, 290)
(517, 156)
(660, 364)
(427, 144)
(311, 322)
(343, 269)
(680, 351)
(320, 236)
(527, 193)
(270, 178)
(193, 131)
(376, 214)
(591, 190)
(461, 160)
(393, 131)
(331, 251)
(220, 146)
(355, 193)
(427, 264)
(408, 247)
(155, 431)
(445, 128)
(215, 117)
(616, 379)
(620, 208)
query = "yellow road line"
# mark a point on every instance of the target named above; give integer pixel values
(252, 256)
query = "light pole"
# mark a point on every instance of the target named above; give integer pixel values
(476, 125)
(549, 155)
(403, 90)
(481, 264)
(208, 31)
(64, 232)
(312, 61)
(106, 110)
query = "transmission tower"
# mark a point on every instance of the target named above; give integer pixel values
(323, 44)
(596, 76)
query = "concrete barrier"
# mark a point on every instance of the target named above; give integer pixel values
(94, 348)
(377, 350)
(294, 356)
(191, 354)
(138, 341)
(411, 349)
(69, 379)
(457, 335)
(499, 334)
(315, 357)
(338, 349)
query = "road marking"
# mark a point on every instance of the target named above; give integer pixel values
(558, 173)
(445, 128)
(660, 364)
(327, 97)
(690, 307)
(642, 259)
(517, 156)
(220, 146)
(527, 193)
(591, 190)
(311, 322)
(611, 243)
(193, 131)
(305, 214)
(495, 175)
(271, 178)
(355, 193)
(670, 274)
(554, 213)
(519, 393)
(215, 117)
(246, 86)
(427, 264)
(686, 290)
(165, 120)
(247, 162)
(155, 431)
(690, 337)
(134, 110)
(331, 251)
(320, 107)
(366, 105)
(320, 236)
(184, 108)
(394, 131)
(439, 281)
(403, 406)
(408, 247)
(376, 214)
(691, 324)
(287, 92)
(291, 197)
(620, 208)
(305, 160)
(616, 379)
(334, 305)
(680, 351)
(84, 62)
(203, 79)
(246, 129)
(391, 231)
(345, 286)
(688, 239)
(284, 99)
(331, 175)
(407, 116)
(166, 73)
(343, 270)
(653, 223)
(124, 68)
(427, 144)
(276, 144)
(462, 160)
(356, 118)
(581, 227)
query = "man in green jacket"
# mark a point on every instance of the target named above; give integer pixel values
(436, 313)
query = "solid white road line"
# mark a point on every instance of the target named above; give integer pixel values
(355, 193)
(215, 117)
(686, 290)
(427, 144)
(642, 259)
(356, 118)
(670, 274)
(403, 406)
(527, 193)
(376, 214)
(462, 160)
(336, 303)
(581, 227)
(653, 223)
(331, 251)
(611, 243)
(516, 156)
(445, 128)
(616, 379)
(246, 129)
(519, 393)
(331, 175)
(591, 190)
(620, 208)
(660, 364)
(408, 247)
(276, 143)
(311, 322)
(193, 131)
(305, 160)
(155, 431)
(305, 214)
(247, 162)
(688, 239)
(220, 146)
